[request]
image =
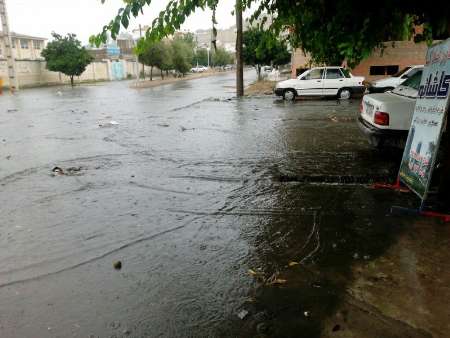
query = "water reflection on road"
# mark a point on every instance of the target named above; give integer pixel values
(190, 190)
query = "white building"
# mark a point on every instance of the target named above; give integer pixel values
(24, 47)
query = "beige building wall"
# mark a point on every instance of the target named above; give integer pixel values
(32, 73)
(24, 49)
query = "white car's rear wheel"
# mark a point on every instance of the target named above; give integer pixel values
(344, 94)
(289, 95)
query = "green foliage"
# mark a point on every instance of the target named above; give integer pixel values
(220, 57)
(152, 53)
(331, 31)
(182, 54)
(264, 47)
(66, 55)
(200, 57)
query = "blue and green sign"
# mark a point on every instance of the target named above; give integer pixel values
(428, 121)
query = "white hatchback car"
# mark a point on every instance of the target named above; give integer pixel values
(386, 117)
(322, 81)
(389, 83)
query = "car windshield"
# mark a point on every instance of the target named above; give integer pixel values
(400, 73)
(413, 81)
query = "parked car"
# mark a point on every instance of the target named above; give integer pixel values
(321, 81)
(199, 69)
(389, 83)
(386, 117)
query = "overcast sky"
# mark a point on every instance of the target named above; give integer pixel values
(87, 17)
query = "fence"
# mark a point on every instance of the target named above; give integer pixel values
(32, 73)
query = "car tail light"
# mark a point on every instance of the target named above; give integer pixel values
(381, 118)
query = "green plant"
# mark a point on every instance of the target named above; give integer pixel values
(66, 55)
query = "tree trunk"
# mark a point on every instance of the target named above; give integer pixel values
(151, 73)
(258, 72)
(162, 74)
(71, 80)
(239, 45)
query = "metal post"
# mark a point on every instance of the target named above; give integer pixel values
(13, 82)
(239, 44)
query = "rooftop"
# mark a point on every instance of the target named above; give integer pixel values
(23, 36)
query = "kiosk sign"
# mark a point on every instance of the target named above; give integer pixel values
(428, 121)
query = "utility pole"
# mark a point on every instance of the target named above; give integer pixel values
(13, 83)
(239, 44)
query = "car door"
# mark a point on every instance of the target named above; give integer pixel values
(311, 83)
(333, 81)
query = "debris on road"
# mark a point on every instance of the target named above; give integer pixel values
(293, 263)
(185, 129)
(108, 124)
(72, 171)
(58, 170)
(242, 314)
(164, 125)
(117, 265)
(261, 328)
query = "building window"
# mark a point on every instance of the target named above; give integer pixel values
(384, 70)
(24, 44)
(37, 45)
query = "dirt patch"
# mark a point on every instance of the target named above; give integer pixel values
(260, 88)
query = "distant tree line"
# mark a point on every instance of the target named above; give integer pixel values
(178, 54)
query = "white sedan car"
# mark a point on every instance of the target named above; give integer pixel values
(322, 81)
(386, 117)
(389, 83)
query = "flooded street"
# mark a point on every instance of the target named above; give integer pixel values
(216, 208)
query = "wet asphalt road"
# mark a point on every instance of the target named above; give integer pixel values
(190, 190)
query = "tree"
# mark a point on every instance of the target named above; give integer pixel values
(182, 55)
(167, 63)
(170, 20)
(220, 57)
(152, 54)
(334, 31)
(200, 57)
(264, 47)
(66, 55)
(331, 31)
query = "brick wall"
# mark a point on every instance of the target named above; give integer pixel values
(398, 53)
(401, 53)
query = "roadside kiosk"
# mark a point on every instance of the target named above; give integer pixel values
(425, 153)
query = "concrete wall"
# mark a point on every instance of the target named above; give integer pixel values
(32, 73)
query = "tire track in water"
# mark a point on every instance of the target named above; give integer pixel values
(101, 256)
